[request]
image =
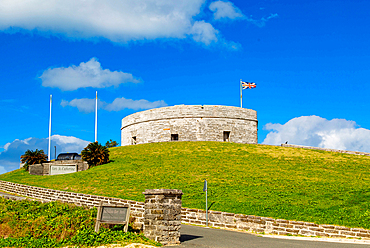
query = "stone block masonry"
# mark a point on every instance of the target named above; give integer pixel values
(226, 220)
(44, 168)
(162, 216)
(267, 225)
(86, 200)
(190, 123)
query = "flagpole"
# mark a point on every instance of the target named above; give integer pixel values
(241, 94)
(49, 129)
(96, 117)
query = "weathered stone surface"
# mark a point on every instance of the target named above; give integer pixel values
(292, 231)
(44, 168)
(190, 123)
(36, 169)
(328, 226)
(348, 233)
(162, 215)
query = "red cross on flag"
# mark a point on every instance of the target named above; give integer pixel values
(249, 85)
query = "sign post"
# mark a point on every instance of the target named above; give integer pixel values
(205, 189)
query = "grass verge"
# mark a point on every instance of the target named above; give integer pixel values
(279, 182)
(34, 224)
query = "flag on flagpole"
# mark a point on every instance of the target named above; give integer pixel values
(243, 86)
(248, 85)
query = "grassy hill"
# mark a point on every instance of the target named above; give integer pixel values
(289, 183)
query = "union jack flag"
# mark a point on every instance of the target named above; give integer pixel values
(249, 85)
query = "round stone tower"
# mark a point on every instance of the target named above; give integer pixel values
(190, 123)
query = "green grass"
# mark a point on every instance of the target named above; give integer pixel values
(35, 224)
(288, 183)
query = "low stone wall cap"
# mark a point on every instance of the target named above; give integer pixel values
(162, 192)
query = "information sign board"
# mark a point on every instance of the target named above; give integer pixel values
(62, 169)
(113, 214)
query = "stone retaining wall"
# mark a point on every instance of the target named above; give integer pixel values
(90, 201)
(266, 225)
(194, 216)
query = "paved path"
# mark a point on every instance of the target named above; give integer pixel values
(200, 237)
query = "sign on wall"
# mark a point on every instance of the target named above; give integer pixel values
(62, 169)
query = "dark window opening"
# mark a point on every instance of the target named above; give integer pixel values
(174, 137)
(227, 136)
(133, 140)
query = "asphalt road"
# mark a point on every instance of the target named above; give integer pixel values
(200, 237)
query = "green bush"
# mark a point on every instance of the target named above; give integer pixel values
(33, 157)
(111, 143)
(55, 224)
(95, 154)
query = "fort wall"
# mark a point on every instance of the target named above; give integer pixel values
(190, 123)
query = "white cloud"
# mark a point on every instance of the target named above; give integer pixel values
(84, 104)
(10, 157)
(117, 21)
(89, 74)
(262, 22)
(88, 105)
(320, 132)
(2, 169)
(223, 9)
(123, 103)
(204, 32)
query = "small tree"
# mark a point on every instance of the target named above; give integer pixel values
(95, 154)
(111, 143)
(31, 157)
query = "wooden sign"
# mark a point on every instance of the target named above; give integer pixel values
(113, 214)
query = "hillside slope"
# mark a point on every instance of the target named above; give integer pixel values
(288, 183)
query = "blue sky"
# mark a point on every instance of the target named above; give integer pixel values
(310, 60)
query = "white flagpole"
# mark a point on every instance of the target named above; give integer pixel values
(49, 129)
(241, 94)
(96, 117)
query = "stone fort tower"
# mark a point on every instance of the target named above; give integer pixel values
(190, 123)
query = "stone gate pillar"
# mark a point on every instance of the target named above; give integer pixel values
(162, 216)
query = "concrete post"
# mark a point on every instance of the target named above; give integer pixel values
(162, 216)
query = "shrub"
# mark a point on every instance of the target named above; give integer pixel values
(55, 224)
(33, 157)
(95, 154)
(111, 143)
